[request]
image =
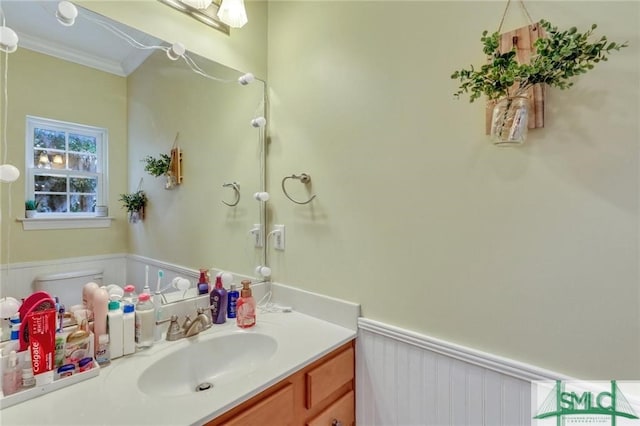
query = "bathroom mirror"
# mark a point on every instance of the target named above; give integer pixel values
(166, 104)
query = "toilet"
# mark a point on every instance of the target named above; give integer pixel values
(67, 285)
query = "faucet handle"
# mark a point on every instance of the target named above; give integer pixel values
(174, 332)
(206, 319)
(186, 324)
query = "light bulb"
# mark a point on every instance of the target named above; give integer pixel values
(261, 196)
(176, 51)
(67, 13)
(263, 271)
(180, 283)
(259, 122)
(246, 79)
(232, 13)
(226, 278)
(9, 306)
(9, 173)
(198, 4)
(8, 40)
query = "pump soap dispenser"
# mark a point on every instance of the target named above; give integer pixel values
(246, 307)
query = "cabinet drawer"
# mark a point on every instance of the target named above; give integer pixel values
(274, 410)
(341, 412)
(329, 377)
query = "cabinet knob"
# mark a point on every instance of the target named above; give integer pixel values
(336, 422)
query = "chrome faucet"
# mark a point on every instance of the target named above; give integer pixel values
(200, 323)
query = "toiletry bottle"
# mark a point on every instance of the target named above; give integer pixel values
(145, 321)
(100, 309)
(203, 282)
(246, 307)
(102, 350)
(28, 380)
(218, 299)
(11, 376)
(114, 325)
(87, 294)
(14, 343)
(232, 300)
(77, 345)
(130, 294)
(128, 329)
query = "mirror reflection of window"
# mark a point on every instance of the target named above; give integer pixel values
(65, 166)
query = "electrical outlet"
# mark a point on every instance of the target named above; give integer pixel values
(258, 235)
(278, 237)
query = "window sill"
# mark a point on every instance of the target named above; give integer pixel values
(37, 223)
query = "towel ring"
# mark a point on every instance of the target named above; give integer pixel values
(236, 189)
(304, 178)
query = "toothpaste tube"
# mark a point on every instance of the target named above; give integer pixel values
(42, 337)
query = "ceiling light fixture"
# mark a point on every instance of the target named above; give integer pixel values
(233, 13)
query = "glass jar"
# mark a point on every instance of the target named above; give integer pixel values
(510, 121)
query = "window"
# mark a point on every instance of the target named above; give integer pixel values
(66, 167)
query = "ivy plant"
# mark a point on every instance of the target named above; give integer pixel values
(135, 201)
(558, 58)
(157, 166)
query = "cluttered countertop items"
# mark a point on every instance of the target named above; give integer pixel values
(117, 340)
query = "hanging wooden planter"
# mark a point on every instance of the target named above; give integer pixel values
(522, 39)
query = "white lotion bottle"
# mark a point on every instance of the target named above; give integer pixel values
(128, 329)
(115, 326)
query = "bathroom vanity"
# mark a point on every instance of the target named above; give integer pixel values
(290, 368)
(321, 393)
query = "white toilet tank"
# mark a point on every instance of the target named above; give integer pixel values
(67, 285)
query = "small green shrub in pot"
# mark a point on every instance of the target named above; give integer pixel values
(135, 203)
(31, 207)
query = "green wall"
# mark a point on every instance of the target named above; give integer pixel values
(529, 253)
(43, 86)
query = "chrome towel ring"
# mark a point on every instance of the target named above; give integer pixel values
(304, 178)
(236, 189)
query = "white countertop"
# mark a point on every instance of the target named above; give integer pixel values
(114, 398)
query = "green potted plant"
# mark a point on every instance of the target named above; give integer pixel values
(160, 166)
(558, 57)
(30, 208)
(157, 166)
(135, 203)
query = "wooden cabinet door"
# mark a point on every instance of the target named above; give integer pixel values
(274, 410)
(325, 379)
(340, 413)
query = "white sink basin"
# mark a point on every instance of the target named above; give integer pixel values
(215, 360)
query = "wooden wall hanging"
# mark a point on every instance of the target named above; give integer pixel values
(523, 40)
(175, 165)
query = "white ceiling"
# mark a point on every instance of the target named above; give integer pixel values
(85, 42)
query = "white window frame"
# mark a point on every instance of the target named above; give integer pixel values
(69, 219)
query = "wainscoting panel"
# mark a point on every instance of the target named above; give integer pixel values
(17, 279)
(407, 379)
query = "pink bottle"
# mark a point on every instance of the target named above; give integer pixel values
(246, 307)
(100, 310)
(87, 295)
